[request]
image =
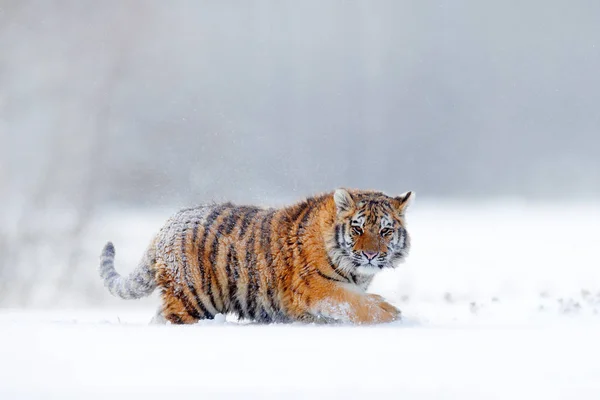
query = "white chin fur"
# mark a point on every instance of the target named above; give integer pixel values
(368, 270)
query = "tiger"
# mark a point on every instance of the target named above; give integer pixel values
(310, 262)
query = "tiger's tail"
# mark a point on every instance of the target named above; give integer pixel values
(140, 283)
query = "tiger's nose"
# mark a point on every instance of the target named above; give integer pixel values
(370, 254)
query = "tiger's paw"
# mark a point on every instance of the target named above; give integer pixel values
(390, 309)
(381, 311)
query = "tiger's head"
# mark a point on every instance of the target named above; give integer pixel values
(370, 232)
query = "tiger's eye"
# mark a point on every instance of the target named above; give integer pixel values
(357, 230)
(386, 232)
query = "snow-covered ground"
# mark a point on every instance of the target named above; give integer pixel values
(499, 301)
(83, 356)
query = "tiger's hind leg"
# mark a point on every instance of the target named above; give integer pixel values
(178, 305)
(181, 309)
(176, 312)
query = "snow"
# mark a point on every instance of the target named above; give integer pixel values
(83, 357)
(499, 301)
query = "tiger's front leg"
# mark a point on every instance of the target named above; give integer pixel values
(347, 305)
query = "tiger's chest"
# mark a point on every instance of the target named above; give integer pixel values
(362, 281)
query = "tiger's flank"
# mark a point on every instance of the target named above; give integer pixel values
(312, 261)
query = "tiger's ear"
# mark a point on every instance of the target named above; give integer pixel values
(403, 201)
(343, 200)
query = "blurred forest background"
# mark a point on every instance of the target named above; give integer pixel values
(137, 105)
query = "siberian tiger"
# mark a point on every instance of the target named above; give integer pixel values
(312, 261)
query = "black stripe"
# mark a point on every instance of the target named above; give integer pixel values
(204, 269)
(352, 278)
(252, 286)
(263, 316)
(343, 235)
(271, 299)
(212, 217)
(211, 291)
(372, 216)
(387, 208)
(304, 272)
(235, 264)
(336, 270)
(230, 222)
(301, 227)
(232, 266)
(200, 253)
(195, 232)
(192, 311)
(300, 208)
(175, 319)
(214, 254)
(198, 312)
(328, 277)
(282, 252)
(304, 210)
(294, 243)
(228, 267)
(247, 219)
(190, 285)
(204, 312)
(233, 279)
(265, 236)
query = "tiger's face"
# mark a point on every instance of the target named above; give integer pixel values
(370, 231)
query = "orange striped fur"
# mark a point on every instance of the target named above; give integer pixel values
(312, 261)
